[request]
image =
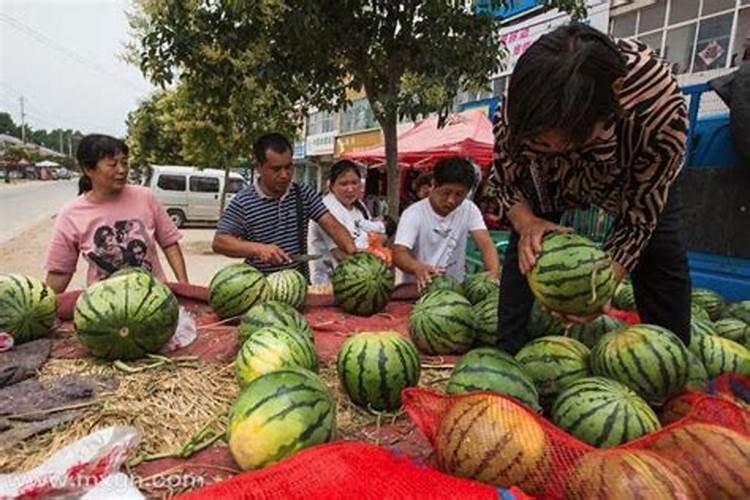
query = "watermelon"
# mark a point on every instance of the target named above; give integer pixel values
(719, 355)
(272, 348)
(237, 288)
(603, 412)
(493, 440)
(738, 310)
(649, 359)
(628, 474)
(126, 317)
(716, 457)
(697, 374)
(374, 367)
(591, 332)
(278, 414)
(288, 286)
(477, 287)
(624, 297)
(273, 314)
(487, 369)
(485, 319)
(710, 301)
(28, 307)
(443, 282)
(542, 323)
(362, 284)
(733, 329)
(572, 275)
(553, 363)
(698, 313)
(442, 322)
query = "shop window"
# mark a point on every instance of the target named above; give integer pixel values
(683, 10)
(714, 6)
(679, 48)
(652, 17)
(624, 26)
(741, 50)
(712, 47)
(653, 40)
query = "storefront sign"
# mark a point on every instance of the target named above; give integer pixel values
(320, 144)
(357, 141)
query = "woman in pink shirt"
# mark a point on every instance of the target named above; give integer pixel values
(112, 224)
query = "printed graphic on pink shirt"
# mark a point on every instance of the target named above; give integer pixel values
(120, 245)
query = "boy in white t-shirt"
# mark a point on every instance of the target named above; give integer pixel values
(432, 233)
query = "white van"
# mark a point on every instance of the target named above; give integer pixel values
(190, 194)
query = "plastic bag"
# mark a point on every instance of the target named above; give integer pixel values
(185, 334)
(6, 341)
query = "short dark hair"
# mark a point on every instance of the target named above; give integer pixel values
(100, 235)
(341, 167)
(423, 180)
(274, 141)
(564, 81)
(91, 149)
(454, 170)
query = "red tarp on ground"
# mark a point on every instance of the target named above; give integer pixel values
(467, 134)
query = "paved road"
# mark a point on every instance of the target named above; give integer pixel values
(24, 205)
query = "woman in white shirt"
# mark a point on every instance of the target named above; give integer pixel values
(343, 200)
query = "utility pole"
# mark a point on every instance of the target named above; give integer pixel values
(23, 122)
(70, 144)
(62, 151)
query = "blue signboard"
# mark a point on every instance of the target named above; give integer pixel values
(299, 151)
(514, 8)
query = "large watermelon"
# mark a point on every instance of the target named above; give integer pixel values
(487, 369)
(442, 322)
(649, 359)
(553, 363)
(712, 302)
(624, 297)
(591, 332)
(374, 367)
(237, 288)
(485, 319)
(28, 307)
(572, 275)
(288, 286)
(272, 348)
(628, 475)
(716, 457)
(126, 317)
(477, 287)
(362, 284)
(719, 355)
(698, 313)
(603, 412)
(278, 414)
(738, 310)
(542, 323)
(697, 374)
(273, 314)
(493, 440)
(443, 282)
(733, 329)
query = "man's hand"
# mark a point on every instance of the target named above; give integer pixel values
(424, 274)
(531, 232)
(271, 254)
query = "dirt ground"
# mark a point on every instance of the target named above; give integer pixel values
(26, 254)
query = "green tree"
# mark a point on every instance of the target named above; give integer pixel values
(7, 125)
(151, 137)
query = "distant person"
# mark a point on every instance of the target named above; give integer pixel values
(112, 224)
(432, 233)
(267, 223)
(423, 186)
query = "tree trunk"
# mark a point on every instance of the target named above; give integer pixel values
(390, 137)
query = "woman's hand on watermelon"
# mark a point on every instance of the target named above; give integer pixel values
(531, 230)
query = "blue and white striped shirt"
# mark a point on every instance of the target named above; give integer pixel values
(254, 216)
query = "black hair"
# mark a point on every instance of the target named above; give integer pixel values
(341, 167)
(390, 225)
(100, 235)
(136, 243)
(274, 141)
(91, 149)
(564, 81)
(423, 180)
(454, 170)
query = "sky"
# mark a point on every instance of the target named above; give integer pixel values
(63, 57)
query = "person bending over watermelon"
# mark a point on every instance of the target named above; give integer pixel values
(589, 120)
(432, 233)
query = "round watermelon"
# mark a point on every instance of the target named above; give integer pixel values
(738, 310)
(277, 415)
(126, 317)
(710, 301)
(719, 355)
(237, 288)
(542, 323)
(28, 307)
(442, 322)
(443, 282)
(374, 367)
(572, 275)
(477, 287)
(553, 363)
(362, 284)
(698, 313)
(288, 286)
(487, 369)
(272, 348)
(733, 329)
(697, 374)
(485, 319)
(624, 297)
(591, 332)
(603, 412)
(273, 314)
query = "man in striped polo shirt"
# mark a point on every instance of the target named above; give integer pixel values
(267, 223)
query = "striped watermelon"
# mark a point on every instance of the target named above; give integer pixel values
(126, 317)
(487, 369)
(542, 323)
(719, 355)
(738, 310)
(237, 288)
(698, 313)
(443, 282)
(603, 412)
(288, 286)
(362, 284)
(733, 329)
(485, 319)
(442, 322)
(709, 300)
(277, 415)
(477, 287)
(649, 359)
(553, 363)
(624, 297)
(495, 441)
(590, 333)
(28, 307)
(628, 474)
(716, 457)
(273, 314)
(572, 275)
(374, 367)
(697, 374)
(271, 348)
